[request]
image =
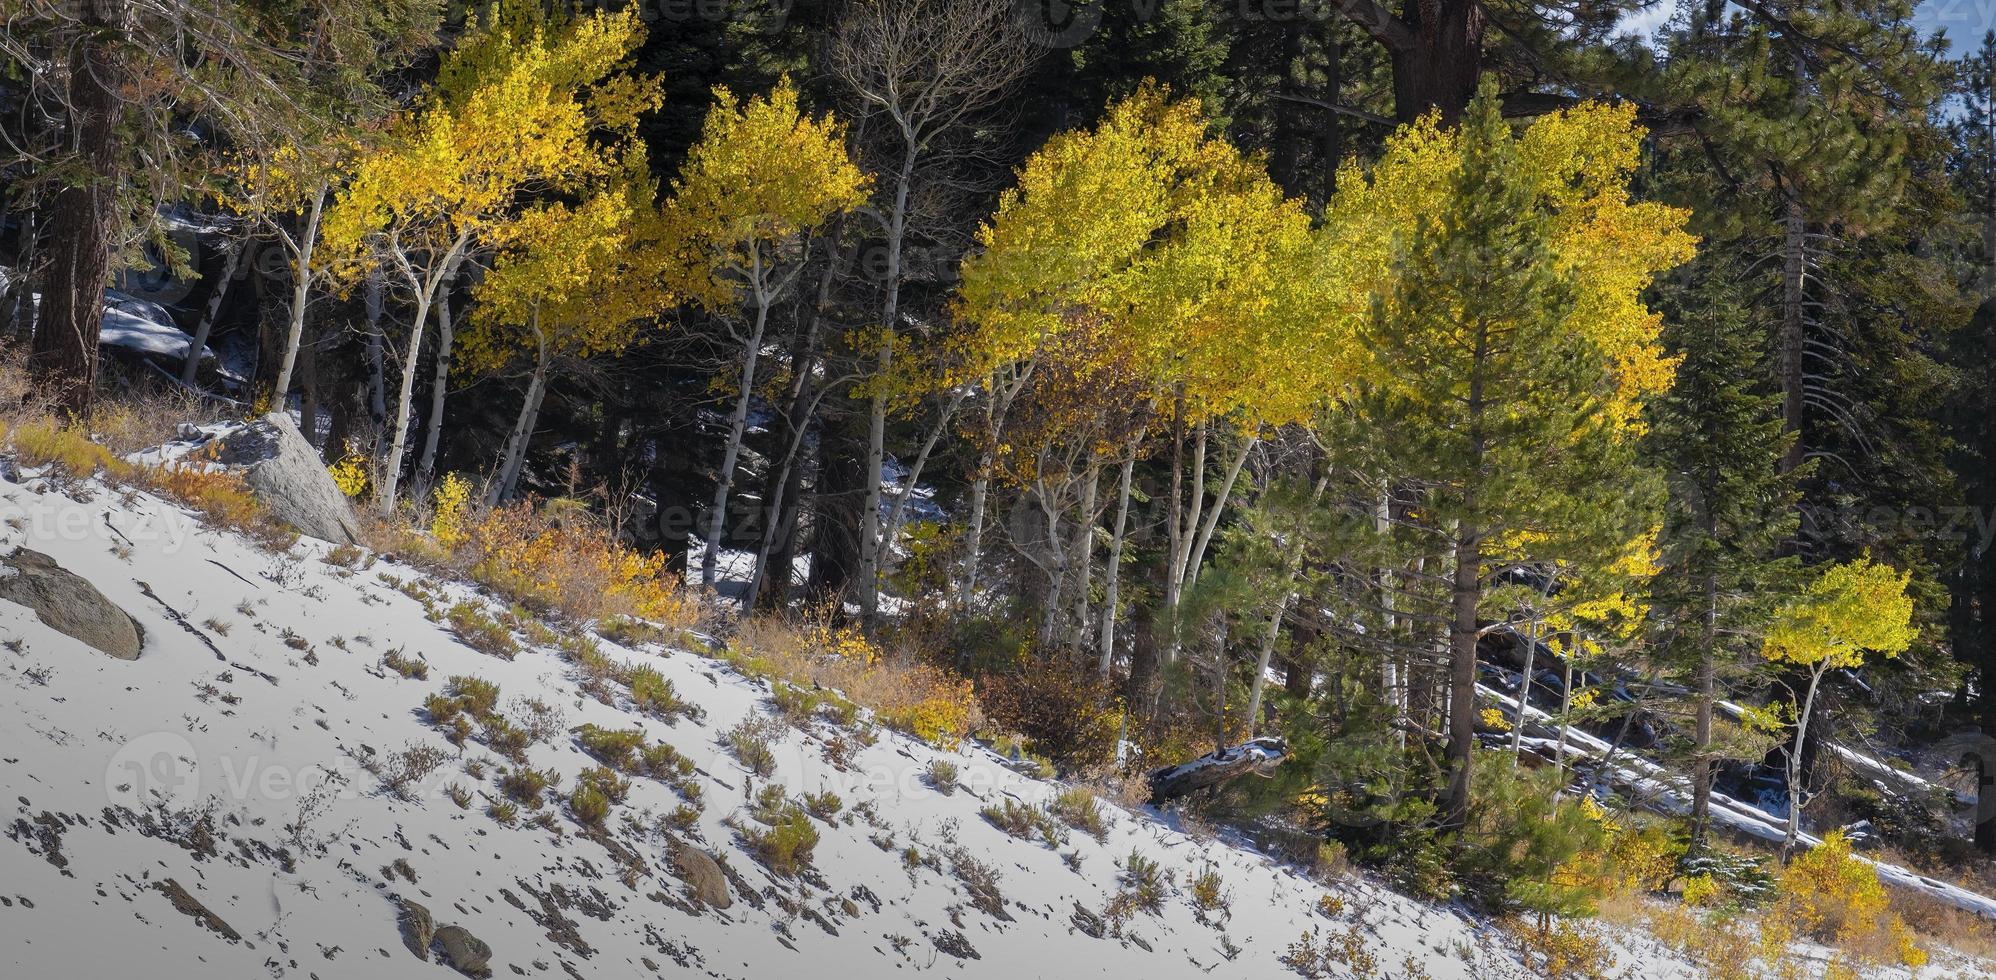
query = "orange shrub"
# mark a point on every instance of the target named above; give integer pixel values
(926, 701)
(565, 562)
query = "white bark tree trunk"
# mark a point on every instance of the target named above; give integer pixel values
(724, 481)
(301, 293)
(503, 482)
(871, 543)
(1105, 634)
(425, 288)
(199, 344)
(440, 387)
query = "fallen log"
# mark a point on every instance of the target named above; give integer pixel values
(1259, 756)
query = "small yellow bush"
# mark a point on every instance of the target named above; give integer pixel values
(44, 443)
(350, 474)
(1831, 895)
(450, 510)
(929, 702)
(1701, 890)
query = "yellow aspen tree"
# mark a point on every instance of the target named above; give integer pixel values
(1851, 609)
(764, 175)
(567, 282)
(533, 107)
(284, 194)
(1181, 251)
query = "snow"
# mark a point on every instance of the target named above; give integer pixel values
(259, 724)
(1671, 793)
(264, 738)
(135, 324)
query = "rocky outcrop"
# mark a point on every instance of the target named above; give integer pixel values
(705, 880)
(186, 904)
(418, 928)
(69, 604)
(465, 952)
(289, 478)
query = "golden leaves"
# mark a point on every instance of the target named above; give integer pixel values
(1851, 608)
(762, 174)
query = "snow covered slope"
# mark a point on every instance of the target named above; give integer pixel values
(213, 810)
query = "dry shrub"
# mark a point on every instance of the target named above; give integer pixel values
(43, 442)
(1067, 715)
(1720, 945)
(561, 559)
(906, 694)
(148, 415)
(1958, 929)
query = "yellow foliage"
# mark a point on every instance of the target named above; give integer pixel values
(45, 443)
(1851, 608)
(1831, 895)
(519, 104)
(1702, 890)
(929, 702)
(571, 566)
(1494, 720)
(350, 474)
(450, 510)
(763, 173)
(1607, 246)
(1173, 245)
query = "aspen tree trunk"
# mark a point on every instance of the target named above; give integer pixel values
(502, 483)
(893, 525)
(425, 288)
(871, 544)
(1185, 520)
(301, 294)
(724, 480)
(1198, 557)
(377, 372)
(1531, 658)
(1057, 575)
(778, 544)
(199, 345)
(426, 467)
(1084, 556)
(1794, 824)
(1105, 635)
(1292, 563)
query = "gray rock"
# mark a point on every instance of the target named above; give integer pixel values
(187, 905)
(703, 876)
(418, 928)
(467, 953)
(288, 476)
(69, 604)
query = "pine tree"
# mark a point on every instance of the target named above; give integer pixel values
(1512, 353)
(1717, 435)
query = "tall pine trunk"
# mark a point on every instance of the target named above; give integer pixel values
(83, 218)
(1701, 739)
